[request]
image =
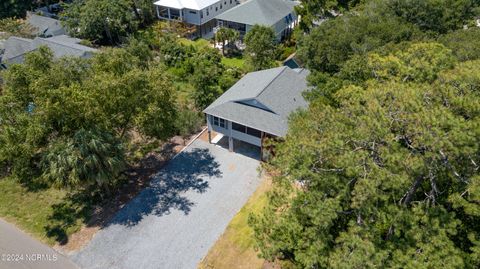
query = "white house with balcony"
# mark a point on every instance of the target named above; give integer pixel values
(258, 106)
(280, 15)
(199, 13)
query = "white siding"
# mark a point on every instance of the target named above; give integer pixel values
(235, 134)
(247, 138)
(281, 25)
(191, 18)
(215, 9)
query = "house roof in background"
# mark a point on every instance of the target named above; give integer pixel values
(189, 4)
(263, 100)
(17, 47)
(63, 46)
(45, 26)
(263, 12)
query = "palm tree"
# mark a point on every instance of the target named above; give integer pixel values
(222, 35)
(233, 35)
(90, 158)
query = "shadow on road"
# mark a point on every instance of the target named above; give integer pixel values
(186, 172)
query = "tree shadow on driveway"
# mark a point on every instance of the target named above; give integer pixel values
(188, 171)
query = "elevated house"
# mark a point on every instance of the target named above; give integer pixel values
(15, 48)
(258, 106)
(199, 13)
(278, 14)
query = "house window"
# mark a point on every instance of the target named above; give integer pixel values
(246, 130)
(216, 8)
(230, 2)
(225, 3)
(208, 14)
(254, 132)
(220, 6)
(201, 14)
(239, 128)
(193, 12)
(219, 122)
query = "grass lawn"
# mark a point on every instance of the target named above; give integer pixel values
(237, 62)
(233, 62)
(44, 213)
(198, 44)
(234, 249)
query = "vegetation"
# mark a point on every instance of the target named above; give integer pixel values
(71, 128)
(313, 11)
(103, 21)
(49, 214)
(381, 171)
(16, 27)
(235, 62)
(13, 8)
(227, 35)
(465, 44)
(261, 48)
(63, 121)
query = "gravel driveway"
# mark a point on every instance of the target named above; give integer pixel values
(173, 223)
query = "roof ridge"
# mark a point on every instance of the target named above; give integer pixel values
(19, 38)
(75, 46)
(270, 83)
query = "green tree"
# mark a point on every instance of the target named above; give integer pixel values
(388, 176)
(328, 46)
(314, 10)
(261, 47)
(222, 35)
(14, 8)
(233, 37)
(188, 122)
(439, 16)
(102, 21)
(56, 112)
(229, 35)
(91, 158)
(465, 44)
(128, 96)
(15, 27)
(144, 11)
(207, 71)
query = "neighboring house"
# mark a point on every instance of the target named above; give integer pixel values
(199, 13)
(45, 26)
(278, 14)
(15, 48)
(258, 105)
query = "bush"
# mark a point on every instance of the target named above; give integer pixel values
(188, 122)
(465, 44)
(285, 51)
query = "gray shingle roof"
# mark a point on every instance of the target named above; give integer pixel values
(64, 46)
(17, 47)
(263, 100)
(45, 26)
(263, 12)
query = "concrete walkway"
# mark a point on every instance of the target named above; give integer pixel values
(20, 251)
(173, 223)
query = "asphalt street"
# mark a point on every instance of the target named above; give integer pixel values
(20, 251)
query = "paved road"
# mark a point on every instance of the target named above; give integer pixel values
(20, 251)
(173, 223)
